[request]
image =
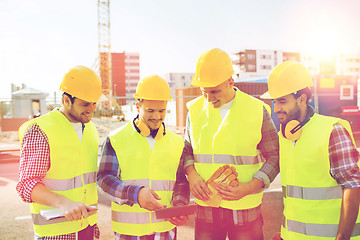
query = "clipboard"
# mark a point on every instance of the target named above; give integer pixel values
(165, 213)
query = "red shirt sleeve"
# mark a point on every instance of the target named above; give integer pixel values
(34, 161)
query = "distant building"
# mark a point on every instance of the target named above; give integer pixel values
(341, 64)
(125, 75)
(178, 80)
(258, 63)
(29, 103)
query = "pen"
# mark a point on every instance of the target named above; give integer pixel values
(82, 216)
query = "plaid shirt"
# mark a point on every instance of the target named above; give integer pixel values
(109, 180)
(34, 164)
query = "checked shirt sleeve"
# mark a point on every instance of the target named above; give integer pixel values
(188, 155)
(343, 157)
(34, 161)
(269, 148)
(109, 175)
(181, 193)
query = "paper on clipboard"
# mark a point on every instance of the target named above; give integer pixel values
(50, 214)
(53, 213)
(175, 211)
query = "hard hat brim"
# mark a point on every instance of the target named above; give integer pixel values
(103, 98)
(266, 96)
(197, 83)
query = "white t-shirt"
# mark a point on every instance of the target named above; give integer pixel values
(78, 129)
(224, 109)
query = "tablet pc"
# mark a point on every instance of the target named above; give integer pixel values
(175, 211)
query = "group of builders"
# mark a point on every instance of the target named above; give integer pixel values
(230, 153)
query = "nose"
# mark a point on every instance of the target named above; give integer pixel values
(277, 108)
(210, 97)
(156, 115)
(92, 108)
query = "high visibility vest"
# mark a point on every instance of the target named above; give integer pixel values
(312, 198)
(153, 168)
(73, 167)
(232, 141)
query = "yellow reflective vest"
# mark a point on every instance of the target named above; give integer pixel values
(312, 198)
(73, 166)
(232, 141)
(153, 168)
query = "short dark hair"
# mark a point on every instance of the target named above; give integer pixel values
(71, 97)
(305, 91)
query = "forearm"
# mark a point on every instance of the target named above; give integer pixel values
(349, 212)
(42, 195)
(116, 190)
(269, 148)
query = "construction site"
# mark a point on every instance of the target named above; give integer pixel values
(335, 93)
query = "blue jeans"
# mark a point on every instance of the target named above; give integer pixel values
(219, 230)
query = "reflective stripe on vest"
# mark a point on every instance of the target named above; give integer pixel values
(135, 217)
(229, 159)
(156, 185)
(68, 184)
(232, 140)
(308, 193)
(319, 230)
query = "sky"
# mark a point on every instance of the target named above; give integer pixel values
(42, 39)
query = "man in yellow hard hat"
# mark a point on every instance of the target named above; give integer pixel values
(140, 169)
(58, 161)
(318, 162)
(227, 127)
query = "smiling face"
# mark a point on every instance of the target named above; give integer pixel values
(287, 108)
(78, 111)
(219, 95)
(152, 112)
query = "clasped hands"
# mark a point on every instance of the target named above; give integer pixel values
(222, 185)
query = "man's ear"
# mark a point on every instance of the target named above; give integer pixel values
(66, 100)
(231, 82)
(303, 98)
(137, 106)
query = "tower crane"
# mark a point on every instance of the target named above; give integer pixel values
(104, 49)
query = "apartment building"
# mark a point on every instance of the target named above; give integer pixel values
(125, 75)
(257, 63)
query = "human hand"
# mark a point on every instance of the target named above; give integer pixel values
(198, 187)
(233, 193)
(147, 199)
(243, 189)
(178, 221)
(74, 210)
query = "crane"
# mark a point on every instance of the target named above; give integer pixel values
(104, 49)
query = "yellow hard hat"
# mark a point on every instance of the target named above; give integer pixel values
(286, 78)
(83, 83)
(213, 68)
(153, 88)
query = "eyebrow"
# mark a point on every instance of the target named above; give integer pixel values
(155, 109)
